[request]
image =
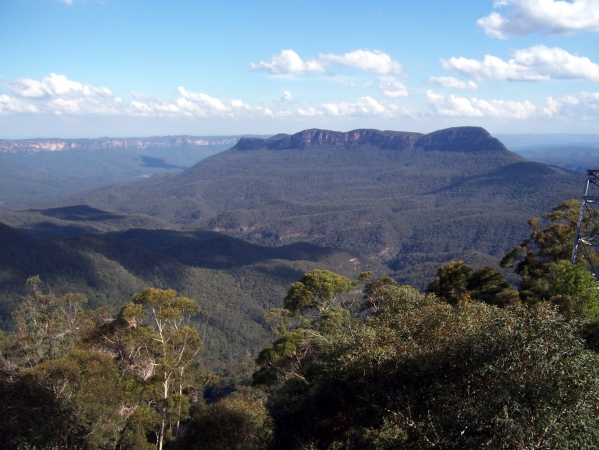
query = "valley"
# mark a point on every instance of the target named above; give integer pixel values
(236, 228)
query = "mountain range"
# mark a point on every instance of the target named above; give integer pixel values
(236, 228)
(406, 199)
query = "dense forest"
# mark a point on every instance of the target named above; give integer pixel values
(352, 363)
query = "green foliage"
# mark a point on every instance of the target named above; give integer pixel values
(86, 384)
(161, 349)
(235, 422)
(395, 205)
(48, 326)
(30, 178)
(575, 289)
(31, 416)
(457, 282)
(316, 310)
(318, 289)
(237, 281)
(416, 372)
(542, 261)
(534, 259)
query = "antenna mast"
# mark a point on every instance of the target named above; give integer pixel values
(586, 244)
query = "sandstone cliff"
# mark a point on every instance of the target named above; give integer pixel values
(57, 145)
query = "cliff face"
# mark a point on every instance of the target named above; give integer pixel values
(461, 139)
(57, 145)
(316, 137)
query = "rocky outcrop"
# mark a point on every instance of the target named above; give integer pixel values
(316, 137)
(460, 139)
(57, 145)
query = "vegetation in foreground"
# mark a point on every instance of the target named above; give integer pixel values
(354, 364)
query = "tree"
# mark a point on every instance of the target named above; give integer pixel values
(86, 383)
(48, 326)
(160, 346)
(457, 281)
(315, 309)
(317, 289)
(419, 372)
(535, 258)
(234, 422)
(574, 289)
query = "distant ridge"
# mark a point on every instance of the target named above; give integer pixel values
(57, 145)
(463, 139)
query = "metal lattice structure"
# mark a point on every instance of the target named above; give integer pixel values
(586, 244)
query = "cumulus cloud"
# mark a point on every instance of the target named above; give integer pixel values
(309, 112)
(55, 86)
(451, 82)
(581, 105)
(377, 62)
(58, 95)
(552, 17)
(289, 62)
(536, 63)
(362, 107)
(393, 89)
(453, 106)
(13, 105)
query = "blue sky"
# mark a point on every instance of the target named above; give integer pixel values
(91, 68)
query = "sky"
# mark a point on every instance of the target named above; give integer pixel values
(125, 68)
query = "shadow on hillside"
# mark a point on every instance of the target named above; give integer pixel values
(523, 173)
(49, 229)
(211, 250)
(80, 213)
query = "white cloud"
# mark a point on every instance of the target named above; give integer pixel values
(310, 112)
(207, 103)
(377, 62)
(393, 89)
(552, 17)
(55, 86)
(536, 63)
(288, 62)
(364, 106)
(58, 95)
(451, 82)
(582, 105)
(453, 106)
(287, 97)
(13, 105)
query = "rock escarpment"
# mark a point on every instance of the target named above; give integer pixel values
(460, 139)
(58, 145)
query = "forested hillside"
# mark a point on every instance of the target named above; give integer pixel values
(35, 172)
(235, 280)
(407, 199)
(354, 363)
(114, 320)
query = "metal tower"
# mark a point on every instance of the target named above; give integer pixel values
(586, 244)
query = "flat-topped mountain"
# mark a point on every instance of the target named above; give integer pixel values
(460, 139)
(403, 198)
(316, 137)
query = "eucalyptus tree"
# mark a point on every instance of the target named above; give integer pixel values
(159, 347)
